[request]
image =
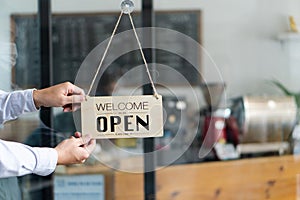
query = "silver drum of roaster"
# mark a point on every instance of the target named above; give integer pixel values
(267, 118)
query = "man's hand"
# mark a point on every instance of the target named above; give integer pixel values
(61, 95)
(75, 150)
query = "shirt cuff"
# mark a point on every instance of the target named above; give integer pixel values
(46, 161)
(30, 103)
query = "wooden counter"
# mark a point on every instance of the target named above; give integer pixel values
(274, 178)
(260, 178)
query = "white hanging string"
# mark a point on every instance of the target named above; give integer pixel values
(141, 51)
(105, 52)
(143, 56)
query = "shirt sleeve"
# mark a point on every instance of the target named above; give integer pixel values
(13, 104)
(17, 159)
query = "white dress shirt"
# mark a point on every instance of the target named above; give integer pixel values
(17, 159)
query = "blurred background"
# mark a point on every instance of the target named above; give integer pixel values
(240, 101)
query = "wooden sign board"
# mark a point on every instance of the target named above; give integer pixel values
(122, 116)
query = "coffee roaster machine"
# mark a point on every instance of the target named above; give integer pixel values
(265, 124)
(245, 126)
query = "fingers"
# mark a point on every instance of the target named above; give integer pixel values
(91, 145)
(75, 107)
(73, 103)
(77, 134)
(86, 139)
(82, 140)
(71, 107)
(74, 99)
(67, 108)
(77, 90)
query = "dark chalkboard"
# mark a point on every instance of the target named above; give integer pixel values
(75, 35)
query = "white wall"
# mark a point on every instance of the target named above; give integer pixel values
(240, 36)
(7, 7)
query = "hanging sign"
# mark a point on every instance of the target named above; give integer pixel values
(122, 116)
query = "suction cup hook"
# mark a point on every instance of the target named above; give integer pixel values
(127, 6)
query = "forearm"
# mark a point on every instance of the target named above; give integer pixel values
(15, 103)
(18, 159)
